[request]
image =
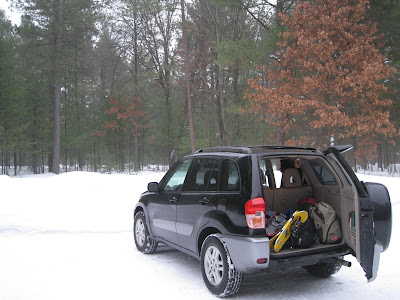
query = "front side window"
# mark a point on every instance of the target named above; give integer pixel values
(175, 181)
(203, 176)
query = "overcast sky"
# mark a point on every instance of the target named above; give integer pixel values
(13, 16)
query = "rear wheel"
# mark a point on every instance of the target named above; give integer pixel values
(144, 243)
(219, 274)
(324, 269)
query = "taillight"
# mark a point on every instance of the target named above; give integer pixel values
(255, 213)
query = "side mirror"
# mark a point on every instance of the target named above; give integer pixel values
(153, 187)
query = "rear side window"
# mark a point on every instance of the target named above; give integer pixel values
(325, 177)
(230, 178)
(204, 175)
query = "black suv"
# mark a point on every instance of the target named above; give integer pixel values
(212, 205)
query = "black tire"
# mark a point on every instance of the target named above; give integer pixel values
(324, 269)
(144, 243)
(219, 274)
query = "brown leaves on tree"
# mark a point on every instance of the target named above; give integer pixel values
(329, 80)
(127, 115)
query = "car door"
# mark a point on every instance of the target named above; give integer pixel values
(359, 216)
(196, 201)
(162, 208)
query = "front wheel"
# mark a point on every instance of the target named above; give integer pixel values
(144, 243)
(219, 274)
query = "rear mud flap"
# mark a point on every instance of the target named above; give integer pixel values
(375, 265)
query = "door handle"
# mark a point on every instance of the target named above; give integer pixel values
(173, 199)
(204, 201)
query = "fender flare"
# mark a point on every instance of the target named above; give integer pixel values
(141, 207)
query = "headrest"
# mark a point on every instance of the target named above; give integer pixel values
(291, 178)
(210, 176)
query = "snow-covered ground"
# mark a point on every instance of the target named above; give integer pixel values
(69, 237)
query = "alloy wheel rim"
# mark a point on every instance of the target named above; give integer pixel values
(213, 265)
(140, 232)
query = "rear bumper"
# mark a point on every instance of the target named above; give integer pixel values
(246, 251)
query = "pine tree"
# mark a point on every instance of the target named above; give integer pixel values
(329, 80)
(58, 29)
(13, 121)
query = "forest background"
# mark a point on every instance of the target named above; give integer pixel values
(118, 85)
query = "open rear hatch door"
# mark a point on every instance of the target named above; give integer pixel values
(361, 220)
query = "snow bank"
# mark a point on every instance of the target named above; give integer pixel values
(76, 201)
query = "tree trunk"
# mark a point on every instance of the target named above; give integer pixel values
(15, 162)
(187, 77)
(221, 108)
(65, 128)
(136, 81)
(279, 134)
(219, 90)
(279, 130)
(279, 10)
(380, 157)
(78, 105)
(57, 96)
(136, 150)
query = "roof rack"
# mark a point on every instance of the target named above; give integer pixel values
(235, 149)
(251, 149)
(279, 147)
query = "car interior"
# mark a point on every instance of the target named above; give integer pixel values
(287, 180)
